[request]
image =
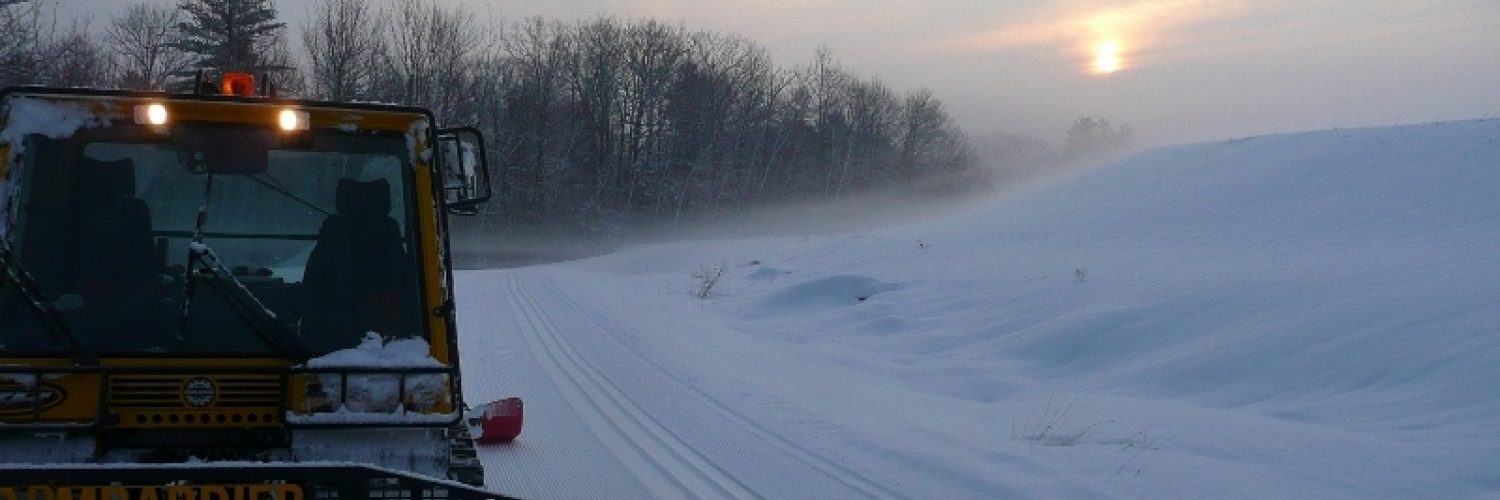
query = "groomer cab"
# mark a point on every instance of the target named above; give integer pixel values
(219, 274)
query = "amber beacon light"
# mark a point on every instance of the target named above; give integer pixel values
(241, 84)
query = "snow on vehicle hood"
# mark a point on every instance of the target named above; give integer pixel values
(37, 116)
(379, 397)
(375, 352)
(49, 118)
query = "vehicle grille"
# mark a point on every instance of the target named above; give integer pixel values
(167, 391)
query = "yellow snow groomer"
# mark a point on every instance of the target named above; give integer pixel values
(230, 296)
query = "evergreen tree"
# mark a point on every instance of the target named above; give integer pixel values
(229, 34)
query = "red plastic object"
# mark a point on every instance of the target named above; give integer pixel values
(501, 422)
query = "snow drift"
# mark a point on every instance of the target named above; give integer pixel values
(1307, 315)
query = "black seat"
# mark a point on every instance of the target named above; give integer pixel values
(358, 278)
(108, 259)
(112, 254)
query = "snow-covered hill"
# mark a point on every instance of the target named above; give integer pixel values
(1311, 315)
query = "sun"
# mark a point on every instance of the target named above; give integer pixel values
(1107, 58)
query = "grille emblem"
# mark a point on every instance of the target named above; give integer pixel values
(199, 392)
(17, 399)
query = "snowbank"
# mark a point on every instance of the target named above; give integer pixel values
(1296, 316)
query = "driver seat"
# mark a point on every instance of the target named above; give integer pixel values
(113, 254)
(358, 278)
(109, 259)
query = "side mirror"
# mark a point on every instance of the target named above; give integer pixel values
(465, 175)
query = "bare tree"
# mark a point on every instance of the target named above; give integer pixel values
(144, 38)
(22, 44)
(539, 52)
(429, 49)
(923, 124)
(652, 55)
(825, 83)
(595, 80)
(597, 124)
(865, 155)
(405, 55)
(35, 50)
(284, 75)
(73, 59)
(454, 44)
(341, 40)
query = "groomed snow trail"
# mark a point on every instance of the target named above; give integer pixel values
(1306, 315)
(604, 422)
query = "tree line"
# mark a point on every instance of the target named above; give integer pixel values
(597, 125)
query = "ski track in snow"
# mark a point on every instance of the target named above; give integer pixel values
(866, 487)
(608, 416)
(669, 467)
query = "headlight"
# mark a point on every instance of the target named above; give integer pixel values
(291, 119)
(151, 114)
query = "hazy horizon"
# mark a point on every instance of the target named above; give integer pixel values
(1175, 70)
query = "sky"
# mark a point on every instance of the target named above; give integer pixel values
(1175, 70)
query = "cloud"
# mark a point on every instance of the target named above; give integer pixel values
(1076, 25)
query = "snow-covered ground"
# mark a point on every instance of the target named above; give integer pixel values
(1311, 315)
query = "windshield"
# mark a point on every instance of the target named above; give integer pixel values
(319, 232)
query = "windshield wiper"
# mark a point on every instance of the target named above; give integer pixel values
(245, 304)
(51, 318)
